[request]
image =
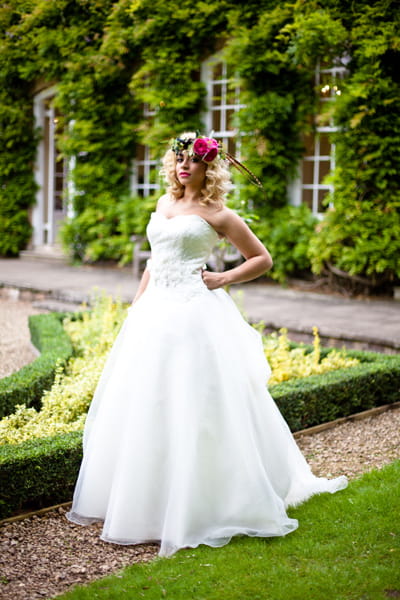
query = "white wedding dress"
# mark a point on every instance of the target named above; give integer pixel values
(183, 444)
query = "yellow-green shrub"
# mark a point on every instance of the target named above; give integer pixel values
(65, 405)
(291, 363)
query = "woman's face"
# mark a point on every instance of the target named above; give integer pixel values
(190, 170)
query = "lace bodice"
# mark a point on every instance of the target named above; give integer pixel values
(180, 246)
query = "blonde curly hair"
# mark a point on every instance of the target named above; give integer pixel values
(217, 182)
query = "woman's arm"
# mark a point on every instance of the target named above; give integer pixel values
(257, 258)
(142, 285)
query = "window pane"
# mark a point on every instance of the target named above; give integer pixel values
(139, 152)
(59, 174)
(231, 95)
(324, 145)
(140, 173)
(153, 175)
(308, 172)
(324, 169)
(307, 198)
(216, 120)
(217, 94)
(229, 118)
(231, 145)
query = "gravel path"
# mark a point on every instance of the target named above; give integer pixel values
(36, 546)
(16, 349)
(354, 447)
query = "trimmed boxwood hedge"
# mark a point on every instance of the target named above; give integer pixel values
(27, 385)
(322, 398)
(43, 472)
(38, 473)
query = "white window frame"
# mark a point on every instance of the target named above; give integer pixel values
(44, 227)
(148, 164)
(225, 133)
(296, 188)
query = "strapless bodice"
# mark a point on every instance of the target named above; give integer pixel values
(180, 246)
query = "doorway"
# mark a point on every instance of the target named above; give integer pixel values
(50, 174)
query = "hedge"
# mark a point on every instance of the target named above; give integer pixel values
(43, 472)
(38, 472)
(27, 385)
(322, 398)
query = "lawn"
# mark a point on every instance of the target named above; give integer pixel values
(346, 548)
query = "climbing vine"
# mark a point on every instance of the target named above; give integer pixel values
(109, 58)
(360, 237)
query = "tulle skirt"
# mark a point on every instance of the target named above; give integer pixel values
(183, 443)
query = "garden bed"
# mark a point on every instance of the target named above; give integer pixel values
(43, 472)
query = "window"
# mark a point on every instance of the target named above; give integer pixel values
(223, 102)
(316, 165)
(145, 168)
(319, 158)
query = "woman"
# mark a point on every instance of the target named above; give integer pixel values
(183, 443)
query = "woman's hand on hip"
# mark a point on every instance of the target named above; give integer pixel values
(213, 280)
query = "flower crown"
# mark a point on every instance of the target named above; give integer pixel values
(208, 149)
(205, 148)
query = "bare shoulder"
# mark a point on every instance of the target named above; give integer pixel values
(225, 219)
(163, 202)
(229, 225)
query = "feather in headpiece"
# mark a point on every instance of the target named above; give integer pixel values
(208, 149)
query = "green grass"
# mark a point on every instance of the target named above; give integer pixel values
(346, 548)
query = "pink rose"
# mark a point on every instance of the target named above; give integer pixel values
(206, 148)
(211, 154)
(200, 146)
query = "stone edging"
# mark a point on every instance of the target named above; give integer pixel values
(372, 412)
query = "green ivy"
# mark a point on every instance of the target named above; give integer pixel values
(17, 154)
(109, 57)
(360, 236)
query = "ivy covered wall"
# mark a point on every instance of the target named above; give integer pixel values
(108, 58)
